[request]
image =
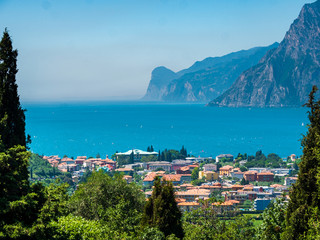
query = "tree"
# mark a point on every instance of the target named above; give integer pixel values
(131, 160)
(150, 149)
(161, 210)
(183, 152)
(305, 194)
(12, 118)
(273, 221)
(13, 176)
(195, 174)
(110, 200)
(244, 182)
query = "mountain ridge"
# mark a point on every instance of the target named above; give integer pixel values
(204, 80)
(285, 76)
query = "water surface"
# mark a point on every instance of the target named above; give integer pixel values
(104, 128)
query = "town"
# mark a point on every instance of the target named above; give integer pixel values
(225, 182)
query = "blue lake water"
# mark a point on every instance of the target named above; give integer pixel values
(104, 128)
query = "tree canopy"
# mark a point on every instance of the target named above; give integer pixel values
(161, 210)
(12, 118)
(305, 194)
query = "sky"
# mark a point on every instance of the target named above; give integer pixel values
(96, 50)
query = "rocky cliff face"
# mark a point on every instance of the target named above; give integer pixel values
(160, 78)
(284, 76)
(204, 80)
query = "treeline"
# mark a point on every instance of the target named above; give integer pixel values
(272, 160)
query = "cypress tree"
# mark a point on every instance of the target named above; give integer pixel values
(161, 210)
(131, 160)
(305, 194)
(12, 118)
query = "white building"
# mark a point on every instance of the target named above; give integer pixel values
(137, 154)
(210, 167)
(288, 181)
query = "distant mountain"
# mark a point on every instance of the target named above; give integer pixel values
(160, 78)
(284, 76)
(204, 80)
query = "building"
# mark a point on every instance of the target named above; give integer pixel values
(137, 154)
(226, 206)
(261, 204)
(210, 167)
(126, 171)
(259, 170)
(192, 195)
(179, 163)
(225, 170)
(238, 175)
(265, 177)
(176, 179)
(188, 206)
(227, 156)
(209, 175)
(293, 157)
(184, 170)
(288, 181)
(128, 178)
(281, 171)
(154, 166)
(250, 176)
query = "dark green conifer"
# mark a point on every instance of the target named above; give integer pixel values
(12, 118)
(161, 210)
(131, 159)
(305, 194)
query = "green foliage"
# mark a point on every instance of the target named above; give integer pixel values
(12, 118)
(205, 224)
(244, 182)
(305, 194)
(183, 152)
(150, 158)
(41, 168)
(195, 174)
(273, 223)
(198, 182)
(110, 200)
(150, 149)
(152, 233)
(13, 176)
(161, 210)
(260, 160)
(74, 227)
(169, 155)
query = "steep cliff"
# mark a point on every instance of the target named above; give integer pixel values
(160, 78)
(284, 76)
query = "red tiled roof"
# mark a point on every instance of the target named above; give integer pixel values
(265, 174)
(226, 168)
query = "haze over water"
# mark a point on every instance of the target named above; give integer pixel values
(104, 128)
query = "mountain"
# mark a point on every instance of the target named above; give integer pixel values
(160, 78)
(205, 79)
(284, 76)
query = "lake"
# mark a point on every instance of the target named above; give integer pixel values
(76, 129)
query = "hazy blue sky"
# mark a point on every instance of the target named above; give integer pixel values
(101, 50)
